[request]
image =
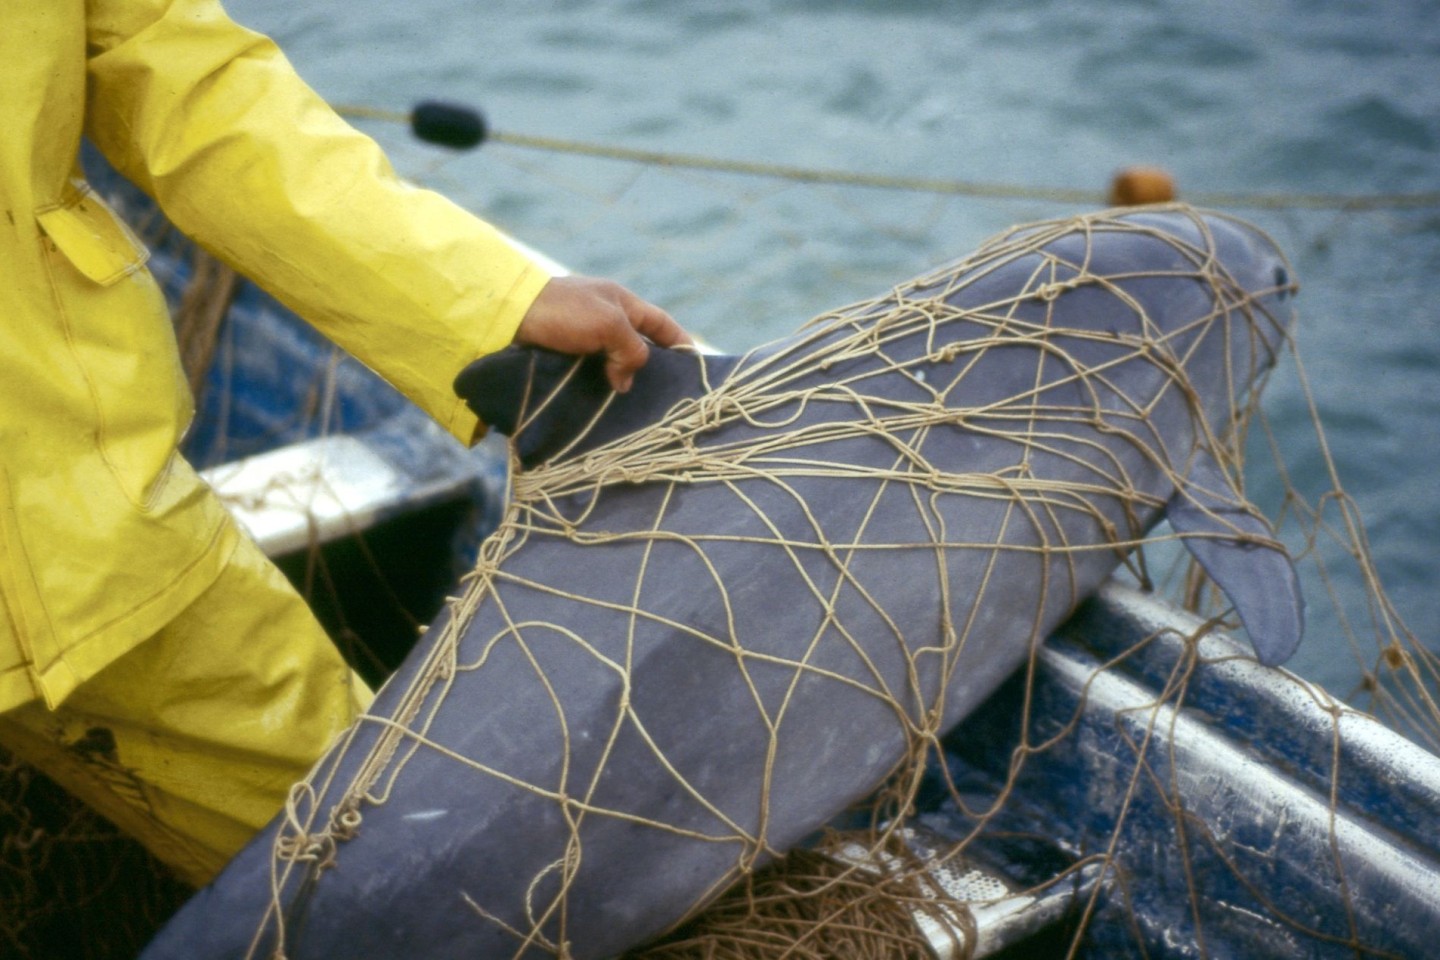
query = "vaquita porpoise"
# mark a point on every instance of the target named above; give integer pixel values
(730, 603)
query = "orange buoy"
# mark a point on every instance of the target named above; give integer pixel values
(1134, 186)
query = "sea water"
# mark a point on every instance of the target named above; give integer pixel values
(1253, 96)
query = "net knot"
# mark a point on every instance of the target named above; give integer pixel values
(947, 353)
(294, 842)
(1051, 291)
(710, 410)
(347, 820)
(318, 848)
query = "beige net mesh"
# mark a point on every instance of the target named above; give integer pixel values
(828, 900)
(1084, 469)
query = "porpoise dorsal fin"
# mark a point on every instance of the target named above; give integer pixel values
(1234, 544)
(549, 403)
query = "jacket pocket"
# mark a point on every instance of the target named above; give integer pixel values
(119, 330)
(92, 238)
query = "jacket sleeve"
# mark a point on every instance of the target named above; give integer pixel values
(212, 121)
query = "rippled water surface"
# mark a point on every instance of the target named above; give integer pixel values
(1256, 96)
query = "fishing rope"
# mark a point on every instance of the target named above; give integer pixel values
(1349, 203)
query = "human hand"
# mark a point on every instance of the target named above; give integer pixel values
(580, 315)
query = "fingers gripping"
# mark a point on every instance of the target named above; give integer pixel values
(587, 315)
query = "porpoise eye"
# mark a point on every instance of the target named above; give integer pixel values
(1282, 282)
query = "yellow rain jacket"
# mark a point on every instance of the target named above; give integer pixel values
(105, 533)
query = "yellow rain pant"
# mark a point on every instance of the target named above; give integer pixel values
(190, 741)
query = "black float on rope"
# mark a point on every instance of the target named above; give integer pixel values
(448, 124)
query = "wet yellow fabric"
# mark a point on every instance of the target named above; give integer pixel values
(105, 533)
(154, 741)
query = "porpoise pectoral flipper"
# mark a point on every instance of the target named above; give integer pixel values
(550, 403)
(1234, 544)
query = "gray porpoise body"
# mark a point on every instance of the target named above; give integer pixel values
(662, 781)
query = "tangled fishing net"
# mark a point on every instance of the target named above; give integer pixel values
(816, 452)
(862, 890)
